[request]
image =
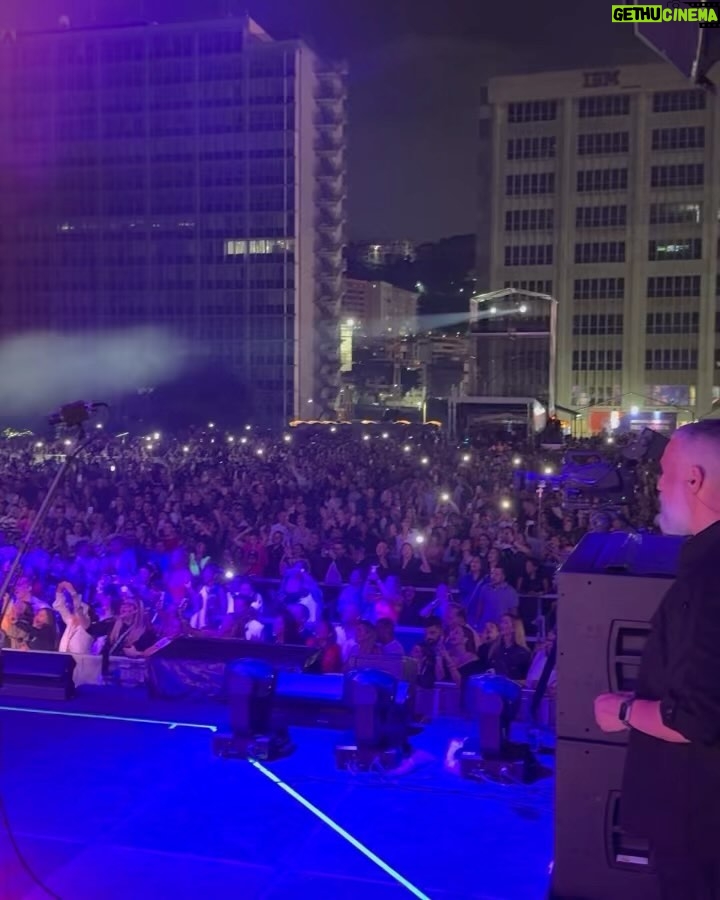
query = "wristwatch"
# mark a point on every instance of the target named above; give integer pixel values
(626, 711)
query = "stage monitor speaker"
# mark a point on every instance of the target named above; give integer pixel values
(608, 591)
(594, 859)
(37, 675)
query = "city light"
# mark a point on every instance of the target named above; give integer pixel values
(287, 438)
(229, 574)
(67, 443)
(523, 308)
(39, 444)
(351, 323)
(186, 449)
(112, 468)
(333, 429)
(425, 461)
(466, 457)
(610, 440)
(231, 439)
(505, 503)
(634, 410)
(156, 436)
(407, 448)
(260, 451)
(99, 426)
(211, 424)
(419, 539)
(493, 309)
(248, 427)
(445, 497)
(517, 461)
(385, 435)
(549, 470)
(243, 440)
(366, 437)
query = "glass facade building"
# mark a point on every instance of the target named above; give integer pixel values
(190, 176)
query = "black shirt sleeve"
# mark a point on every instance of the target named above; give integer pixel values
(691, 704)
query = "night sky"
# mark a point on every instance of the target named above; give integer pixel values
(416, 71)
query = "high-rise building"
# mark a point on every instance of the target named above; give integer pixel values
(190, 175)
(606, 190)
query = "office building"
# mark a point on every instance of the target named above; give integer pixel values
(605, 195)
(378, 308)
(377, 254)
(190, 175)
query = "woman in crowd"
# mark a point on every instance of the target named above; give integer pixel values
(126, 634)
(509, 655)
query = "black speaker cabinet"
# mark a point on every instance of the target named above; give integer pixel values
(594, 859)
(608, 591)
(37, 674)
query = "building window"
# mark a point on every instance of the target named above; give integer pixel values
(599, 289)
(260, 247)
(536, 286)
(673, 286)
(691, 175)
(529, 220)
(600, 216)
(529, 255)
(601, 252)
(598, 324)
(673, 323)
(603, 143)
(663, 251)
(691, 138)
(678, 101)
(533, 111)
(597, 360)
(677, 358)
(609, 105)
(532, 148)
(602, 180)
(535, 183)
(675, 213)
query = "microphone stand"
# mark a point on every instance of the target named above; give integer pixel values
(38, 520)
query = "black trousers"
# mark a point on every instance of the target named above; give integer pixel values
(688, 879)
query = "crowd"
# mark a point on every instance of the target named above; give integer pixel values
(331, 537)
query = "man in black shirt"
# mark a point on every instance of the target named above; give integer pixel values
(671, 786)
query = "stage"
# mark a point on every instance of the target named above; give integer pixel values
(112, 795)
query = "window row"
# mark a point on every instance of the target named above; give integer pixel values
(602, 323)
(529, 219)
(671, 359)
(601, 143)
(602, 180)
(531, 148)
(535, 183)
(529, 255)
(599, 289)
(675, 213)
(679, 249)
(673, 323)
(538, 286)
(673, 286)
(600, 252)
(600, 216)
(532, 111)
(690, 175)
(601, 106)
(678, 101)
(686, 138)
(597, 360)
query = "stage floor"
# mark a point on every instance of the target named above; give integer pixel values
(106, 808)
